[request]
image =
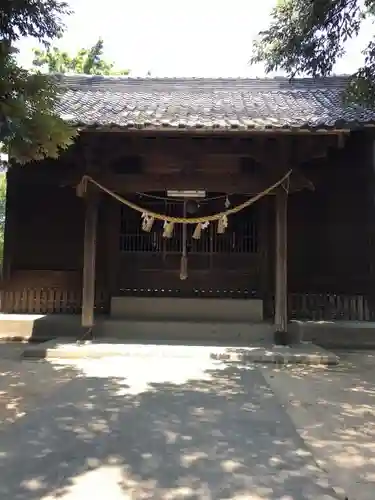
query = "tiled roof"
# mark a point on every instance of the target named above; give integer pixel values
(220, 104)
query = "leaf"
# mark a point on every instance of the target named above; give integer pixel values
(85, 61)
(30, 128)
(307, 38)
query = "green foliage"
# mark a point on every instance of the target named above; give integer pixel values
(86, 61)
(306, 37)
(29, 128)
(40, 19)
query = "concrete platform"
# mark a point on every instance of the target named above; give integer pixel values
(336, 334)
(327, 334)
(38, 327)
(304, 353)
(28, 327)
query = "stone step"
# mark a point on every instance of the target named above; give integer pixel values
(187, 309)
(185, 331)
(109, 348)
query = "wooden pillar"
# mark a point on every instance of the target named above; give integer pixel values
(263, 211)
(113, 224)
(371, 231)
(89, 255)
(281, 285)
(10, 229)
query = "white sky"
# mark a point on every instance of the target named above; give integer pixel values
(208, 38)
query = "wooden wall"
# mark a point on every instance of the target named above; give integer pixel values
(49, 228)
(45, 236)
(329, 228)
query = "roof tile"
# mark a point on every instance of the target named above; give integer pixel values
(224, 104)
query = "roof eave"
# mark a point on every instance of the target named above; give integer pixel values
(218, 130)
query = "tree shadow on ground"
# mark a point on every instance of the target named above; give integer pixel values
(24, 385)
(157, 432)
(334, 411)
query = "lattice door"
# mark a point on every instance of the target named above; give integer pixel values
(218, 264)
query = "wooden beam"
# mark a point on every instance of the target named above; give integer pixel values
(298, 181)
(281, 286)
(237, 183)
(226, 182)
(264, 148)
(204, 132)
(89, 256)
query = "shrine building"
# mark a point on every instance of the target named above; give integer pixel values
(223, 198)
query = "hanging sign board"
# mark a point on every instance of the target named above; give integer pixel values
(186, 194)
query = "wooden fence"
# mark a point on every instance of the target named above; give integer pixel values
(48, 301)
(303, 306)
(325, 307)
(329, 307)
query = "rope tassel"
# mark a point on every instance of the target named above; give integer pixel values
(81, 188)
(147, 222)
(199, 228)
(183, 268)
(168, 229)
(197, 231)
(222, 224)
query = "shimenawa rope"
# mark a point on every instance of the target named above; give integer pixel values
(81, 188)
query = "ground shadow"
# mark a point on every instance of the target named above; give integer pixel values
(334, 410)
(210, 433)
(25, 385)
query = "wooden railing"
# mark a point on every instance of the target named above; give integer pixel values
(329, 307)
(48, 301)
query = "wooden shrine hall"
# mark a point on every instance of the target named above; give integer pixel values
(245, 197)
